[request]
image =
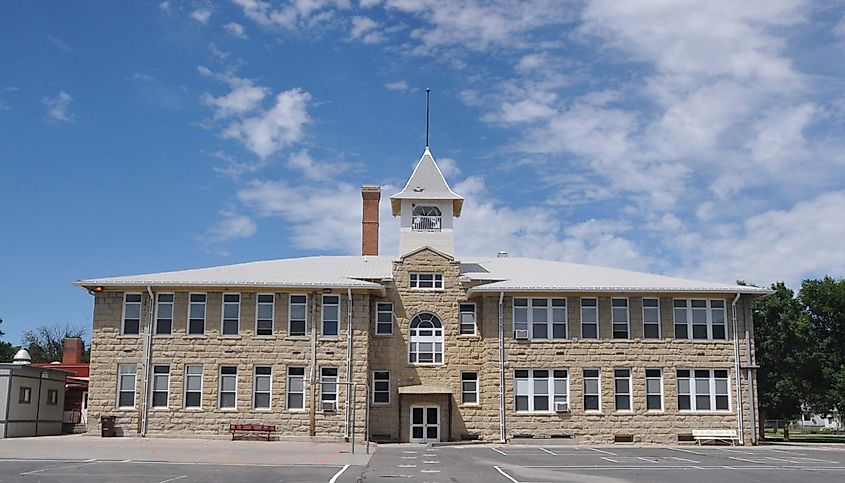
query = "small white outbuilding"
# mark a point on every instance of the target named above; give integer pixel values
(31, 398)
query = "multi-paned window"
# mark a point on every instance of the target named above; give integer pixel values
(384, 319)
(193, 386)
(654, 389)
(425, 339)
(196, 313)
(52, 397)
(619, 318)
(231, 313)
(590, 318)
(331, 316)
(131, 314)
(228, 387)
(126, 385)
(592, 390)
(261, 384)
(164, 313)
(328, 385)
(541, 390)
(700, 319)
(703, 390)
(296, 388)
(381, 387)
(264, 310)
(161, 386)
(426, 281)
(469, 387)
(542, 318)
(651, 318)
(297, 317)
(622, 389)
(25, 395)
(466, 319)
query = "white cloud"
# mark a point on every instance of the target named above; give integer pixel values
(235, 29)
(244, 97)
(449, 167)
(165, 6)
(201, 15)
(365, 30)
(303, 163)
(301, 14)
(232, 226)
(400, 85)
(57, 107)
(280, 126)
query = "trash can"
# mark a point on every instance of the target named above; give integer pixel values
(107, 426)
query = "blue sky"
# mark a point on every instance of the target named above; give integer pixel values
(699, 139)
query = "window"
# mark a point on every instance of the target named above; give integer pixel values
(619, 316)
(231, 313)
(25, 395)
(193, 386)
(196, 314)
(298, 318)
(540, 390)
(131, 313)
(654, 389)
(384, 319)
(126, 385)
(426, 218)
(466, 319)
(381, 387)
(651, 318)
(161, 386)
(228, 387)
(264, 310)
(589, 318)
(542, 318)
(703, 390)
(164, 313)
(622, 389)
(296, 388)
(592, 390)
(331, 315)
(700, 319)
(328, 384)
(262, 382)
(426, 281)
(469, 388)
(52, 397)
(425, 341)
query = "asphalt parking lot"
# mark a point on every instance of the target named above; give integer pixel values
(54, 471)
(535, 464)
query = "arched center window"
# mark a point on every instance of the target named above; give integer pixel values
(425, 340)
(426, 218)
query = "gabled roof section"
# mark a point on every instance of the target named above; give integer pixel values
(427, 183)
(427, 248)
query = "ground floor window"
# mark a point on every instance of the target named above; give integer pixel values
(328, 388)
(381, 387)
(261, 387)
(703, 390)
(469, 388)
(592, 390)
(161, 386)
(228, 387)
(193, 386)
(126, 385)
(654, 389)
(296, 388)
(541, 390)
(622, 389)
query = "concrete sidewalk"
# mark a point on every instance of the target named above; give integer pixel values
(221, 452)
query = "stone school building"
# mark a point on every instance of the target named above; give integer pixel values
(489, 348)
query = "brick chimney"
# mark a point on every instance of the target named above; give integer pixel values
(72, 351)
(369, 221)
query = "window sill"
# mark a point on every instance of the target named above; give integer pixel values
(427, 289)
(160, 410)
(426, 364)
(162, 336)
(265, 337)
(469, 336)
(230, 336)
(542, 341)
(196, 336)
(383, 335)
(655, 412)
(536, 413)
(469, 405)
(626, 412)
(194, 410)
(705, 412)
(593, 412)
(333, 338)
(296, 411)
(125, 408)
(380, 405)
(129, 336)
(296, 337)
(262, 410)
(228, 410)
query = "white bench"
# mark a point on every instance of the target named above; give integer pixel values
(727, 435)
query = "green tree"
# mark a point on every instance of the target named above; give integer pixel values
(46, 343)
(824, 308)
(781, 341)
(7, 350)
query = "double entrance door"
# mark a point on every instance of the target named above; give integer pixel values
(425, 424)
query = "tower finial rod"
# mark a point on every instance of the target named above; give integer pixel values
(427, 96)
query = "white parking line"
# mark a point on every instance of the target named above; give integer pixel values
(547, 451)
(85, 463)
(602, 451)
(173, 479)
(511, 478)
(407, 466)
(337, 475)
(685, 459)
(499, 451)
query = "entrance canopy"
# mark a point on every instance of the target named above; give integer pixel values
(424, 389)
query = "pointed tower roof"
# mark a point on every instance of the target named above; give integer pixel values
(427, 183)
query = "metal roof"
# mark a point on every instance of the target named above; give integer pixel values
(508, 274)
(427, 183)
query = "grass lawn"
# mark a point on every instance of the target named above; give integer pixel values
(797, 437)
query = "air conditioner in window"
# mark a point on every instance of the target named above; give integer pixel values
(329, 406)
(561, 407)
(521, 334)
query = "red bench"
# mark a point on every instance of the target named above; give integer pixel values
(251, 428)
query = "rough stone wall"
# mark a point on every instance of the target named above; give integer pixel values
(212, 350)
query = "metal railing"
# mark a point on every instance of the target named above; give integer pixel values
(426, 223)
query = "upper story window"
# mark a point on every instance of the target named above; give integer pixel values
(590, 318)
(265, 307)
(539, 318)
(298, 320)
(651, 318)
(426, 281)
(196, 314)
(425, 340)
(426, 218)
(700, 319)
(331, 316)
(466, 321)
(231, 313)
(619, 315)
(384, 319)
(131, 313)
(164, 313)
